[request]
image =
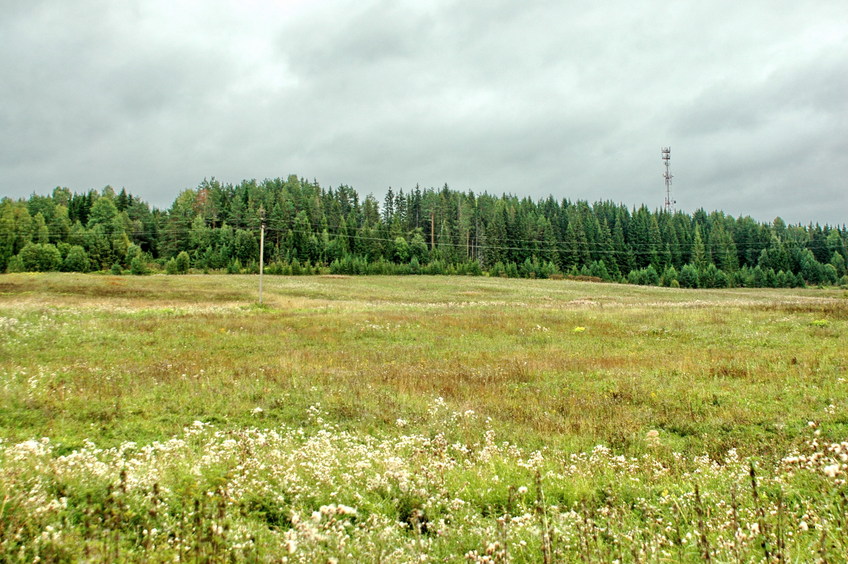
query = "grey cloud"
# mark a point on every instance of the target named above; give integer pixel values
(532, 98)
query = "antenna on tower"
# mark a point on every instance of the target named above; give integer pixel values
(669, 203)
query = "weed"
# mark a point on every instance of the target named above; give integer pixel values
(403, 419)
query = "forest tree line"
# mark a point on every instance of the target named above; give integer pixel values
(311, 229)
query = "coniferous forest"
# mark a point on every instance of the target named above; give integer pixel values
(311, 229)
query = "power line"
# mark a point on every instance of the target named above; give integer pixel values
(509, 243)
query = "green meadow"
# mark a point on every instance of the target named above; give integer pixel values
(419, 418)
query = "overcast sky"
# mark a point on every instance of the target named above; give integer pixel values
(535, 97)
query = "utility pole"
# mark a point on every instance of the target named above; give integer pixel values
(477, 239)
(432, 230)
(261, 249)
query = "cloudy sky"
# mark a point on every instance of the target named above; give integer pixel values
(571, 98)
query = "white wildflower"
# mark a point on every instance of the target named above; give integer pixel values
(831, 471)
(291, 546)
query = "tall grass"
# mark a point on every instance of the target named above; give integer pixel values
(399, 419)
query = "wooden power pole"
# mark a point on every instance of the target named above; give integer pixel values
(261, 249)
(432, 230)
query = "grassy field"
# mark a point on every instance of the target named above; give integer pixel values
(399, 419)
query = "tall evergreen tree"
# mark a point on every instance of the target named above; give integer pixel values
(699, 253)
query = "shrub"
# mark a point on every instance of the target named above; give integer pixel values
(15, 264)
(435, 267)
(498, 270)
(652, 278)
(599, 269)
(138, 266)
(636, 277)
(38, 257)
(64, 249)
(234, 267)
(132, 251)
(722, 280)
(689, 277)
(669, 276)
(707, 276)
(76, 260)
(182, 263)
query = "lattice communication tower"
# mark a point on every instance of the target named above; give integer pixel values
(669, 203)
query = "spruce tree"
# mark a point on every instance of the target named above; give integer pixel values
(699, 253)
(689, 277)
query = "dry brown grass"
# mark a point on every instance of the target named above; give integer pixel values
(550, 362)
